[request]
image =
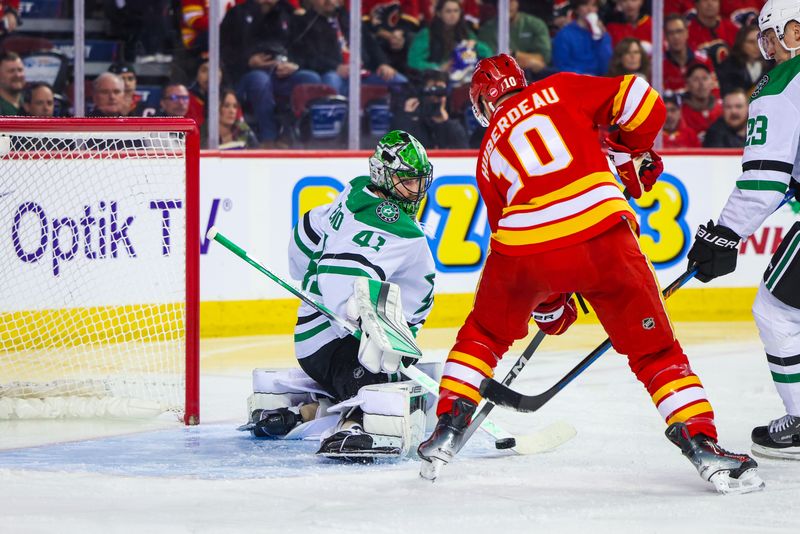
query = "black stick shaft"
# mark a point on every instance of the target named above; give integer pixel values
(502, 395)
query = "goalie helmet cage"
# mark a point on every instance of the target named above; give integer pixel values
(99, 268)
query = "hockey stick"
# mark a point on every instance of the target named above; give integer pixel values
(411, 372)
(502, 395)
(544, 440)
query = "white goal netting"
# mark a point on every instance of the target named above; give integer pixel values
(92, 274)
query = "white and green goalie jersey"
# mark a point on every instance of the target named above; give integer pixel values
(358, 234)
(771, 160)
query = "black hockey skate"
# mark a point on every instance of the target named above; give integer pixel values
(271, 423)
(730, 473)
(445, 441)
(355, 446)
(779, 439)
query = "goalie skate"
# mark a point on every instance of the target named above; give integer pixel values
(729, 473)
(356, 446)
(445, 441)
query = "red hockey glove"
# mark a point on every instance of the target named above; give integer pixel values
(556, 316)
(637, 170)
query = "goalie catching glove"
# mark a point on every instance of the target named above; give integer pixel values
(637, 170)
(555, 316)
(714, 251)
(386, 339)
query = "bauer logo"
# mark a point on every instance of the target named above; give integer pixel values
(96, 231)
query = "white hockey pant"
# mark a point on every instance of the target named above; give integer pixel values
(779, 328)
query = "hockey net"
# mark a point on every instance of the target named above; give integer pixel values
(98, 289)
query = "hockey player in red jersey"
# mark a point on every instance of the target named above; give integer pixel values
(560, 224)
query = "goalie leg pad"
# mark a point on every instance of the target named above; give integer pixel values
(394, 417)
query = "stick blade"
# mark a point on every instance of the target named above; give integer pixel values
(545, 440)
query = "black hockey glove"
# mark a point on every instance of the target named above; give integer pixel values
(714, 251)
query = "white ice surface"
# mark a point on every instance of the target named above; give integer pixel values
(618, 475)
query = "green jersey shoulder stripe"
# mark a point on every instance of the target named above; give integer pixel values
(776, 80)
(299, 242)
(366, 209)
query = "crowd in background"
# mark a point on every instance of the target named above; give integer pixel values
(418, 53)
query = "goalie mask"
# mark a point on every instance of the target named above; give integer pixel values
(775, 15)
(400, 154)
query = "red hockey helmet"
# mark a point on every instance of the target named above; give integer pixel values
(494, 77)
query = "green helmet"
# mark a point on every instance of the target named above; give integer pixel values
(400, 154)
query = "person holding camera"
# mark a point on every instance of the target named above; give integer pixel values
(254, 38)
(424, 115)
(9, 17)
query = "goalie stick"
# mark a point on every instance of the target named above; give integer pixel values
(503, 395)
(411, 372)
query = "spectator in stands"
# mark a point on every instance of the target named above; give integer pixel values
(562, 14)
(198, 94)
(700, 106)
(471, 9)
(320, 44)
(675, 133)
(742, 12)
(234, 132)
(630, 20)
(38, 100)
(678, 57)
(108, 95)
(143, 25)
(529, 39)
(583, 45)
(729, 130)
(630, 58)
(448, 45)
(194, 29)
(683, 8)
(745, 65)
(424, 115)
(132, 105)
(174, 100)
(711, 33)
(9, 17)
(12, 83)
(393, 23)
(254, 39)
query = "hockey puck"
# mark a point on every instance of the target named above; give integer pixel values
(505, 443)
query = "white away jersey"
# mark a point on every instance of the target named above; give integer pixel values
(358, 234)
(771, 160)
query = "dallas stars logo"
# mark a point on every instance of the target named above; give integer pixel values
(388, 211)
(759, 86)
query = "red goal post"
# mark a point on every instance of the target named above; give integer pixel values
(99, 312)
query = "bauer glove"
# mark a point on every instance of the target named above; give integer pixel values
(714, 251)
(637, 170)
(554, 317)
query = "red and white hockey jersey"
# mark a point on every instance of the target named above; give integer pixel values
(541, 169)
